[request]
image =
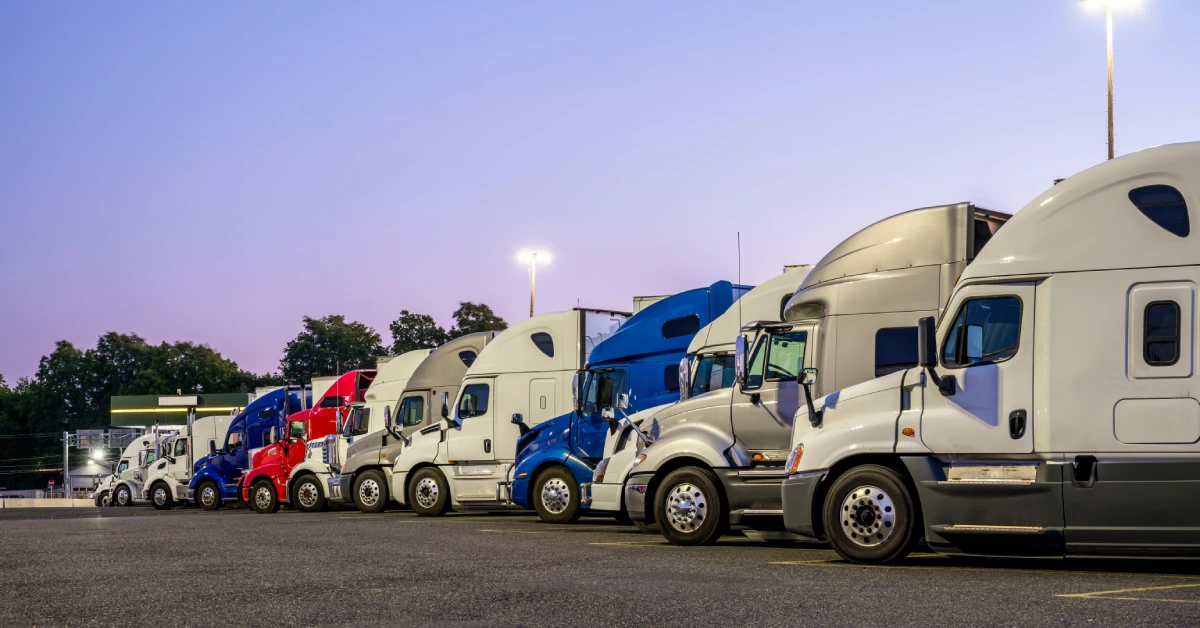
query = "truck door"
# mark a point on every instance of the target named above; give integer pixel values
(987, 348)
(542, 399)
(179, 469)
(763, 409)
(471, 439)
(591, 430)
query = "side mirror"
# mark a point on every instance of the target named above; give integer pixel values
(808, 377)
(974, 342)
(685, 378)
(926, 342)
(445, 405)
(739, 360)
(273, 435)
(387, 417)
(339, 422)
(141, 458)
(212, 448)
(577, 391)
(623, 401)
(517, 419)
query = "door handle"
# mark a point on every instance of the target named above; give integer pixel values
(487, 445)
(1016, 424)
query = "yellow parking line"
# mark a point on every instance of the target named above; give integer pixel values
(635, 543)
(838, 562)
(1104, 595)
(513, 531)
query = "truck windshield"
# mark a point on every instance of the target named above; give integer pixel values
(713, 372)
(602, 391)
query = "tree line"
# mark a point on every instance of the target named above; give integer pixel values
(72, 387)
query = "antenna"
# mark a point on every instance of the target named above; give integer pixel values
(739, 249)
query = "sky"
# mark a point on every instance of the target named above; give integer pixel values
(214, 172)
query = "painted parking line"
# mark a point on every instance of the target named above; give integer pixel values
(515, 531)
(1121, 594)
(944, 564)
(635, 543)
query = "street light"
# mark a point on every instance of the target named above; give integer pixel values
(97, 454)
(1108, 13)
(532, 258)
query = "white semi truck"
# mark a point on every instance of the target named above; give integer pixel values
(166, 481)
(1053, 411)
(521, 378)
(124, 486)
(708, 367)
(309, 480)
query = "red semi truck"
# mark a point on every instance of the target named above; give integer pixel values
(264, 487)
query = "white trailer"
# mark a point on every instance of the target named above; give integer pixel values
(1054, 410)
(521, 378)
(166, 481)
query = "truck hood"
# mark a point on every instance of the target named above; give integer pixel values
(858, 419)
(543, 434)
(678, 413)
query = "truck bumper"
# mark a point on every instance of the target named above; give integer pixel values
(605, 497)
(504, 492)
(334, 486)
(635, 496)
(585, 494)
(799, 494)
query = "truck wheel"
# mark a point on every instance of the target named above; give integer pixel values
(428, 493)
(208, 495)
(556, 496)
(307, 495)
(123, 497)
(262, 497)
(370, 492)
(689, 509)
(870, 516)
(102, 499)
(160, 496)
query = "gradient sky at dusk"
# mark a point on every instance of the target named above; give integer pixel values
(215, 171)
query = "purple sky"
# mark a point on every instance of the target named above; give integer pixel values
(215, 172)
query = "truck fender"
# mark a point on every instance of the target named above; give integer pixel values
(698, 442)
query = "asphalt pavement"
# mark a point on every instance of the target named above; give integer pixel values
(140, 567)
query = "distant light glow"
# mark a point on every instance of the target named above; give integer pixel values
(97, 454)
(528, 257)
(1098, 5)
(91, 461)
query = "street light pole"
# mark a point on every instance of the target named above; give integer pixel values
(532, 281)
(1108, 28)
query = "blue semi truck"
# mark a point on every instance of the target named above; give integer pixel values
(215, 477)
(641, 358)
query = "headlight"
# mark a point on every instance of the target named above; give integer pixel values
(793, 461)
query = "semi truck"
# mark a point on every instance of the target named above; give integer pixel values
(123, 486)
(716, 462)
(308, 481)
(521, 378)
(365, 476)
(265, 485)
(708, 366)
(642, 360)
(217, 476)
(1053, 409)
(166, 480)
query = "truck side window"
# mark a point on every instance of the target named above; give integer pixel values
(682, 326)
(412, 411)
(331, 402)
(713, 372)
(985, 330)
(786, 355)
(1164, 205)
(362, 422)
(754, 372)
(474, 401)
(895, 350)
(1160, 339)
(181, 447)
(602, 391)
(123, 466)
(544, 342)
(233, 442)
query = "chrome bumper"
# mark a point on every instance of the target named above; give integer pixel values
(335, 488)
(585, 494)
(504, 492)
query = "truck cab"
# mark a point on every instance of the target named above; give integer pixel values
(265, 486)
(521, 378)
(708, 367)
(166, 480)
(640, 359)
(365, 476)
(124, 487)
(216, 477)
(366, 419)
(1052, 411)
(717, 463)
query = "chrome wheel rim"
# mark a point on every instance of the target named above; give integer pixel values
(687, 506)
(208, 496)
(160, 496)
(105, 500)
(122, 497)
(368, 492)
(308, 494)
(262, 498)
(868, 516)
(556, 496)
(427, 492)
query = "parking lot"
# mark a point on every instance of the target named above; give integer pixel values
(138, 566)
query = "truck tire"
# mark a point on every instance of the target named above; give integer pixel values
(689, 509)
(263, 499)
(370, 492)
(307, 495)
(870, 516)
(208, 495)
(102, 499)
(123, 497)
(160, 496)
(556, 496)
(428, 493)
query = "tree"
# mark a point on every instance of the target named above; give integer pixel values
(329, 346)
(411, 331)
(471, 317)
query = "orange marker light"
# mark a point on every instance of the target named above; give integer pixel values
(909, 432)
